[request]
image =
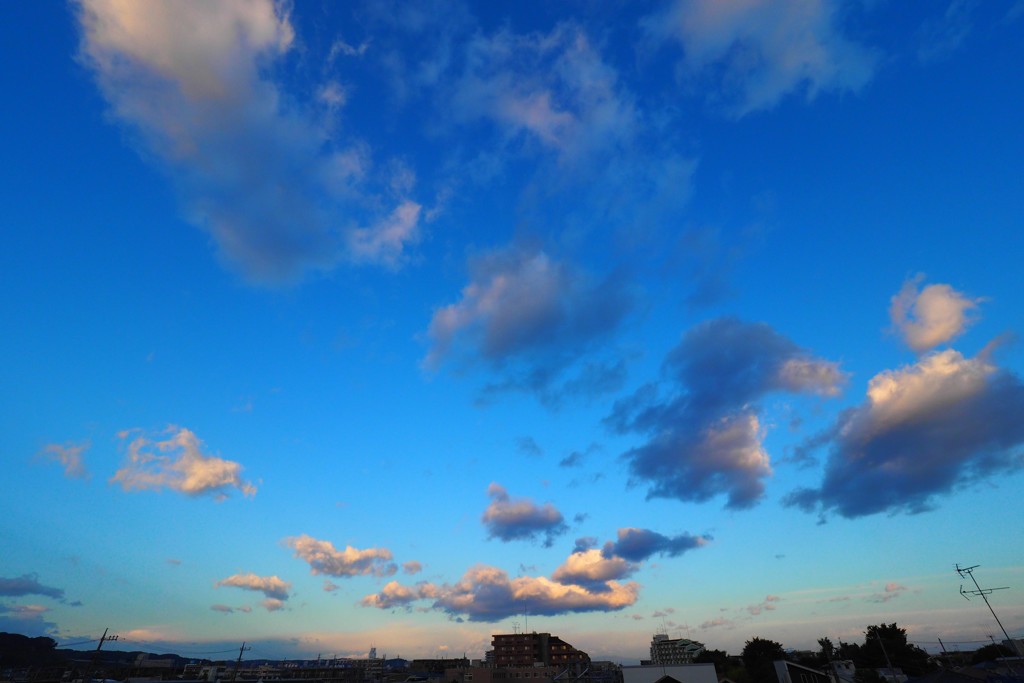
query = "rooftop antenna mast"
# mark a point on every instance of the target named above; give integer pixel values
(984, 593)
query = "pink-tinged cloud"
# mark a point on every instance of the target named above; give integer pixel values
(930, 316)
(891, 592)
(272, 587)
(488, 594)
(767, 605)
(763, 50)
(70, 457)
(718, 622)
(177, 463)
(392, 595)
(549, 93)
(511, 519)
(324, 558)
(412, 567)
(387, 242)
(272, 604)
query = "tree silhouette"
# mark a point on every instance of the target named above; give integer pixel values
(759, 655)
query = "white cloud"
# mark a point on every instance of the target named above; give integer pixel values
(324, 558)
(551, 91)
(924, 430)
(765, 49)
(930, 316)
(273, 587)
(177, 463)
(592, 566)
(69, 456)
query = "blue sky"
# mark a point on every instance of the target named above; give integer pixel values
(338, 325)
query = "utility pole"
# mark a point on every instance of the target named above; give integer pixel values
(984, 593)
(96, 654)
(238, 662)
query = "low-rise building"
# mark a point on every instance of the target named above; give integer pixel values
(531, 649)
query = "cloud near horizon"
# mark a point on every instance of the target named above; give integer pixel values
(259, 171)
(487, 594)
(930, 316)
(519, 519)
(759, 51)
(529, 318)
(705, 437)
(923, 431)
(177, 463)
(324, 558)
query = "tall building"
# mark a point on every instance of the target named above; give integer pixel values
(535, 649)
(665, 650)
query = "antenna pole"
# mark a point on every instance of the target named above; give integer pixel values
(984, 593)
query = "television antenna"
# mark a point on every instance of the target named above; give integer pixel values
(984, 593)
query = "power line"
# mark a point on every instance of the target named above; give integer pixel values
(80, 642)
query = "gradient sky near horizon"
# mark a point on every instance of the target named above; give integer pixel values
(339, 325)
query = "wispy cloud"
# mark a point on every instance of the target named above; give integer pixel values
(69, 455)
(759, 51)
(511, 519)
(930, 316)
(259, 171)
(892, 591)
(942, 34)
(324, 558)
(550, 91)
(705, 438)
(177, 463)
(30, 618)
(923, 431)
